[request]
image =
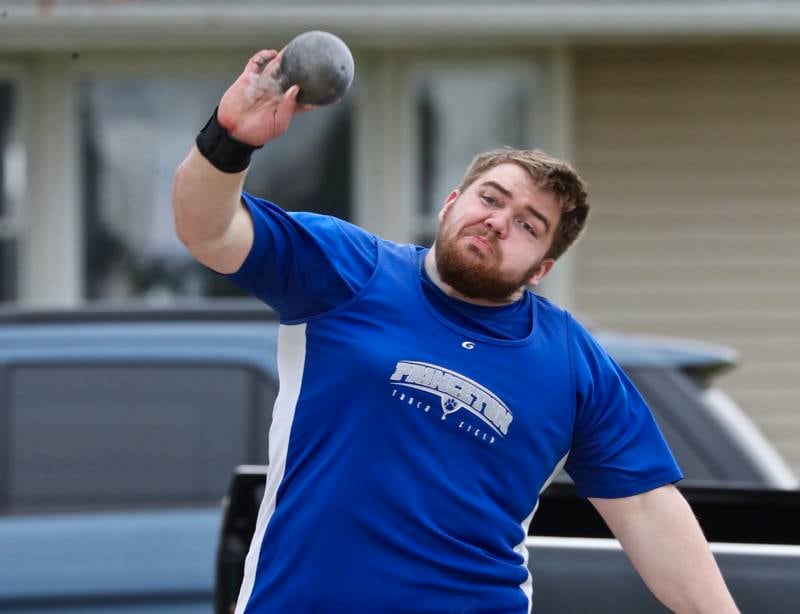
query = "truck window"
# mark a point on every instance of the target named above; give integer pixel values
(99, 436)
(701, 447)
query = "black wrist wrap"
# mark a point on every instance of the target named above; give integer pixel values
(221, 149)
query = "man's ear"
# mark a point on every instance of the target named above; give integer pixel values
(448, 202)
(541, 272)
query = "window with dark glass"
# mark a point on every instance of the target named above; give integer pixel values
(96, 437)
(460, 113)
(135, 132)
(11, 179)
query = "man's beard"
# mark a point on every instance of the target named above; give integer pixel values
(475, 277)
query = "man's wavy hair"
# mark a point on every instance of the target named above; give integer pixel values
(548, 174)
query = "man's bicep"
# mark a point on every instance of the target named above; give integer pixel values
(616, 510)
(227, 255)
(624, 514)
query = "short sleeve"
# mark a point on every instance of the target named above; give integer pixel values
(617, 448)
(303, 264)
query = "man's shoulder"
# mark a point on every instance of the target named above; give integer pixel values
(551, 314)
(331, 223)
(328, 224)
(546, 308)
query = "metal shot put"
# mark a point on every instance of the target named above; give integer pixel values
(319, 63)
(428, 395)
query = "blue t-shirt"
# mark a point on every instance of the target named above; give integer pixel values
(413, 433)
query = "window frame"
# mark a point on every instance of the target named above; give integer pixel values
(153, 64)
(386, 150)
(529, 71)
(51, 267)
(13, 224)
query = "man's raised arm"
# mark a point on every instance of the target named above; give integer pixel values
(206, 195)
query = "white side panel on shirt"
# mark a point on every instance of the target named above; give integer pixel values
(521, 549)
(291, 362)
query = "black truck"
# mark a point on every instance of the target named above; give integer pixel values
(576, 564)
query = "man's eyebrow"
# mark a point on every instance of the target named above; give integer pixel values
(531, 210)
(544, 220)
(498, 187)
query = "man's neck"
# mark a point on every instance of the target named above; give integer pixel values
(433, 272)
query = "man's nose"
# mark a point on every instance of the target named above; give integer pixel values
(497, 223)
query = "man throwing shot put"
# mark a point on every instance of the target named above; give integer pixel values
(427, 396)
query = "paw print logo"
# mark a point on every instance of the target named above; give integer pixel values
(449, 406)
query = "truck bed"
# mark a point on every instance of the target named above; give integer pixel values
(576, 564)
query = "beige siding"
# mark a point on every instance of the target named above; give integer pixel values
(693, 160)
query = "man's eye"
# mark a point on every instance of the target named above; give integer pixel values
(489, 200)
(527, 227)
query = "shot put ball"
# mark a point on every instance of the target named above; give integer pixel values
(320, 63)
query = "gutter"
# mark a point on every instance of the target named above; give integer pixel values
(136, 24)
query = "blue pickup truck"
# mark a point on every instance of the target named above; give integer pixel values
(119, 430)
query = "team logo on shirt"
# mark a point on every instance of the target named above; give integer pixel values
(455, 392)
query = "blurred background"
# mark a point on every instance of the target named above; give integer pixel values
(682, 117)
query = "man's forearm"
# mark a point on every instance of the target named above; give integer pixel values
(204, 200)
(664, 542)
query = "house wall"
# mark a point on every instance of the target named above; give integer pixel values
(692, 155)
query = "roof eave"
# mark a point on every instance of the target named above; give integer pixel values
(383, 24)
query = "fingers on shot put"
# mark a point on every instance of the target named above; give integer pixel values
(260, 60)
(286, 108)
(261, 75)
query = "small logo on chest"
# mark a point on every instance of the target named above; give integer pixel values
(456, 392)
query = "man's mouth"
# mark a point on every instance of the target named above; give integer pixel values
(483, 244)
